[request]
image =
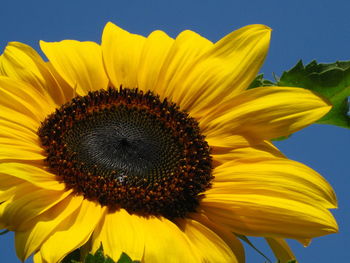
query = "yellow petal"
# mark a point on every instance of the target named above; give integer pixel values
(281, 249)
(74, 231)
(44, 225)
(270, 216)
(13, 130)
(182, 56)
(140, 240)
(10, 153)
(79, 63)
(37, 258)
(69, 91)
(225, 69)
(273, 177)
(121, 55)
(13, 116)
(165, 242)
(9, 187)
(207, 245)
(28, 203)
(228, 142)
(22, 62)
(27, 172)
(18, 139)
(154, 53)
(225, 234)
(20, 97)
(263, 151)
(120, 232)
(8, 181)
(4, 142)
(265, 113)
(19, 149)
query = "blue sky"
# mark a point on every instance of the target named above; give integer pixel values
(301, 30)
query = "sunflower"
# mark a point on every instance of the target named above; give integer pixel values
(153, 147)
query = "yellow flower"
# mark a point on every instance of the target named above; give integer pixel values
(153, 147)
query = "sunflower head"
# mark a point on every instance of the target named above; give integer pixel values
(126, 149)
(153, 146)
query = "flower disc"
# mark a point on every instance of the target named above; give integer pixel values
(129, 150)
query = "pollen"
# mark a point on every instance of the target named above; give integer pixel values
(127, 149)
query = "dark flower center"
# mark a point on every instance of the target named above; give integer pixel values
(126, 149)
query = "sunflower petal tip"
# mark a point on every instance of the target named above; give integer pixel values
(111, 30)
(11, 43)
(325, 106)
(332, 226)
(111, 26)
(265, 32)
(328, 108)
(264, 29)
(322, 99)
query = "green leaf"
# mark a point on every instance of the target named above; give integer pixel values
(98, 257)
(73, 257)
(124, 258)
(259, 81)
(330, 80)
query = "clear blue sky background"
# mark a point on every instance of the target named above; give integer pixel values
(309, 29)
